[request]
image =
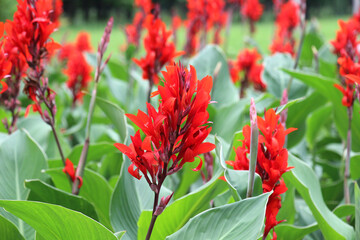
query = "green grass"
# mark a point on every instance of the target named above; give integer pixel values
(238, 38)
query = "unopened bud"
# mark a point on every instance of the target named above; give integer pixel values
(163, 203)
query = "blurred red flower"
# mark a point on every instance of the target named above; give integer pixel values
(271, 162)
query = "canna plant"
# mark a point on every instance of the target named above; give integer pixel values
(174, 134)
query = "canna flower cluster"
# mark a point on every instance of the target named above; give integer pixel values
(133, 31)
(252, 10)
(346, 48)
(272, 162)
(203, 15)
(247, 64)
(175, 133)
(159, 51)
(29, 37)
(77, 69)
(287, 19)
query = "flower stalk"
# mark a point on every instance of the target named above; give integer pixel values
(100, 68)
(253, 148)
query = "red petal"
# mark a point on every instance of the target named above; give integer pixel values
(80, 181)
(122, 147)
(135, 173)
(340, 88)
(222, 178)
(206, 84)
(27, 110)
(204, 148)
(353, 78)
(199, 166)
(146, 144)
(69, 169)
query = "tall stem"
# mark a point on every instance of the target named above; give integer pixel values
(154, 217)
(81, 166)
(151, 83)
(347, 159)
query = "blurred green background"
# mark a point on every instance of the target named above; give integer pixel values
(91, 16)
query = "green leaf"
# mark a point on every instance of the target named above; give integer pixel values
(327, 62)
(42, 134)
(8, 231)
(357, 210)
(314, 123)
(56, 222)
(224, 92)
(129, 199)
(277, 80)
(311, 39)
(298, 114)
(95, 189)
(325, 86)
(239, 220)
(238, 181)
(116, 115)
(287, 231)
(187, 178)
(20, 158)
(230, 116)
(355, 167)
(180, 211)
(42, 192)
(306, 183)
(96, 151)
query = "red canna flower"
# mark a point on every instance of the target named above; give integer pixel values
(252, 10)
(271, 162)
(78, 72)
(287, 19)
(83, 42)
(159, 51)
(247, 63)
(247, 58)
(175, 133)
(70, 170)
(346, 37)
(77, 69)
(133, 31)
(234, 71)
(29, 36)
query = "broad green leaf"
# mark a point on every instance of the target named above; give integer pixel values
(224, 92)
(43, 192)
(42, 134)
(230, 116)
(95, 189)
(355, 167)
(239, 220)
(276, 80)
(327, 61)
(288, 104)
(187, 178)
(120, 234)
(325, 86)
(238, 180)
(311, 39)
(116, 115)
(314, 123)
(56, 222)
(357, 211)
(180, 211)
(344, 210)
(298, 114)
(111, 164)
(8, 231)
(288, 210)
(304, 180)
(287, 231)
(96, 151)
(20, 158)
(129, 199)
